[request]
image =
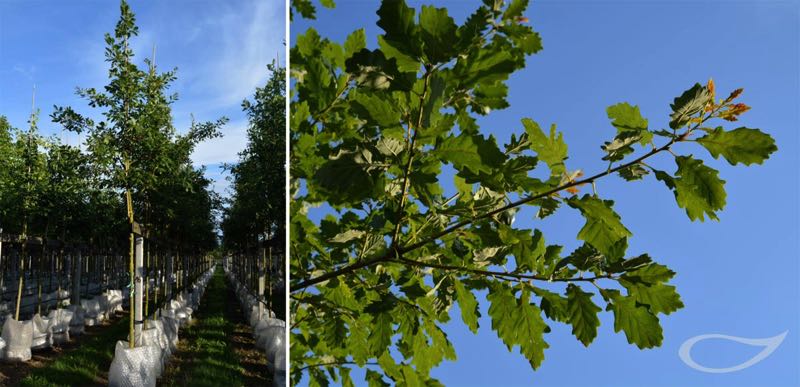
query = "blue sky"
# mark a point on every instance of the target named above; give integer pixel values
(738, 276)
(221, 50)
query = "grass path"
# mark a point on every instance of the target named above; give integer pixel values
(217, 349)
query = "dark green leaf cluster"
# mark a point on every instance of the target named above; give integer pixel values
(307, 9)
(51, 189)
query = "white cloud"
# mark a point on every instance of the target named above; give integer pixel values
(28, 72)
(220, 183)
(252, 36)
(222, 150)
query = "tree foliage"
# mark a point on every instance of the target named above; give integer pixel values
(371, 131)
(257, 210)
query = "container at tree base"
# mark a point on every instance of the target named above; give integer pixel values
(267, 330)
(278, 369)
(142, 365)
(116, 299)
(42, 332)
(60, 324)
(106, 306)
(256, 315)
(150, 338)
(163, 340)
(182, 312)
(277, 346)
(77, 323)
(92, 314)
(18, 337)
(62, 295)
(271, 340)
(171, 326)
(101, 308)
(167, 312)
(262, 325)
(133, 367)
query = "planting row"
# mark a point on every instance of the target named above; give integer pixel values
(268, 331)
(20, 337)
(141, 363)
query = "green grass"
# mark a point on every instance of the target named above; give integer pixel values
(210, 361)
(83, 365)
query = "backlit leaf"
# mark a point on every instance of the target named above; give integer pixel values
(603, 226)
(550, 149)
(582, 314)
(518, 322)
(741, 145)
(641, 327)
(698, 189)
(691, 102)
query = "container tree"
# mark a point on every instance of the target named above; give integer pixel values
(134, 147)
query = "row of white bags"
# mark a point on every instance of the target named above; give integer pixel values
(269, 332)
(19, 337)
(143, 364)
(30, 300)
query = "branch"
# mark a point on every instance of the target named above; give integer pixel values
(301, 369)
(344, 270)
(529, 199)
(502, 273)
(407, 169)
(322, 112)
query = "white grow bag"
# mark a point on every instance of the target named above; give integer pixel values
(77, 323)
(133, 367)
(171, 326)
(255, 316)
(163, 340)
(106, 307)
(60, 325)
(279, 370)
(151, 339)
(42, 332)
(271, 340)
(93, 315)
(18, 337)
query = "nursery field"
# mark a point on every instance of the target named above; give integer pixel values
(124, 259)
(217, 345)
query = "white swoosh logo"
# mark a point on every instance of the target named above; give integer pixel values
(769, 344)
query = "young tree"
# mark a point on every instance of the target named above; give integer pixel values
(257, 211)
(136, 151)
(371, 131)
(8, 158)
